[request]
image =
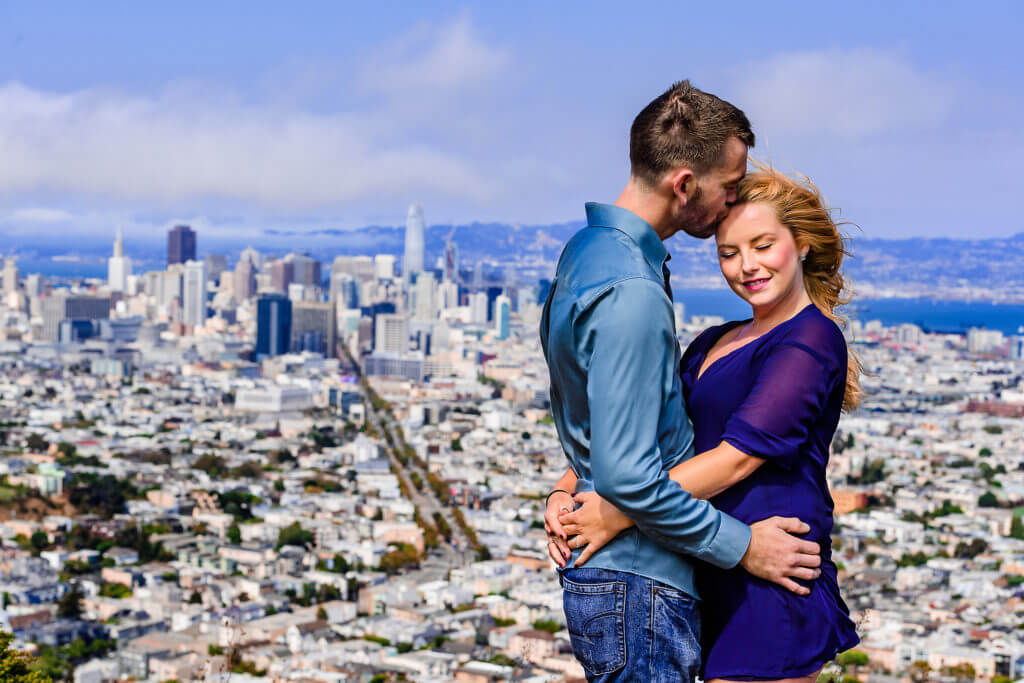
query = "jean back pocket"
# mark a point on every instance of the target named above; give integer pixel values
(595, 618)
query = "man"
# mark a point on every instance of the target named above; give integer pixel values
(608, 335)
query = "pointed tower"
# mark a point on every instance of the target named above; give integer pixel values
(119, 266)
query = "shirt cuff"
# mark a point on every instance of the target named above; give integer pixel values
(729, 545)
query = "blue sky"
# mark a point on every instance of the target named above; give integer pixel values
(243, 116)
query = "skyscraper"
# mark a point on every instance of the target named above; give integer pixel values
(119, 266)
(384, 266)
(451, 259)
(181, 245)
(413, 260)
(10, 275)
(313, 327)
(273, 325)
(194, 297)
(80, 311)
(392, 333)
(245, 280)
(424, 295)
(502, 313)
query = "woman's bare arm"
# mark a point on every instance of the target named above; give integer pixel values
(709, 473)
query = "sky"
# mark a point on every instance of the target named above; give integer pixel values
(241, 117)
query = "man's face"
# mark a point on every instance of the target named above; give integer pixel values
(715, 192)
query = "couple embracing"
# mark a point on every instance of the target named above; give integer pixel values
(692, 528)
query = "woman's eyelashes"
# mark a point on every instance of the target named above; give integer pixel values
(730, 254)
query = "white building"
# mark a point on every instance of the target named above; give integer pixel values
(384, 266)
(273, 399)
(392, 333)
(414, 225)
(119, 266)
(194, 294)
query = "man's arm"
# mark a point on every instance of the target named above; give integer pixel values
(632, 333)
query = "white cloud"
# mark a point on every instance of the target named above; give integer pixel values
(40, 215)
(851, 94)
(427, 58)
(176, 146)
(194, 141)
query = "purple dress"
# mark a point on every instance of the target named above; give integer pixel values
(778, 398)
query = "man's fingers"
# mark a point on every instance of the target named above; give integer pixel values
(569, 518)
(582, 498)
(584, 556)
(805, 560)
(572, 529)
(793, 587)
(791, 525)
(805, 573)
(808, 548)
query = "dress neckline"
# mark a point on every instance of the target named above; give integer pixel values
(726, 328)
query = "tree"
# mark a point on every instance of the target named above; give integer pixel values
(70, 604)
(294, 534)
(854, 659)
(968, 551)
(988, 500)
(39, 541)
(920, 671)
(321, 614)
(36, 443)
(234, 534)
(195, 598)
(1017, 528)
(961, 672)
(15, 666)
(984, 452)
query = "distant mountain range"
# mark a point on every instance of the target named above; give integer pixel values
(943, 267)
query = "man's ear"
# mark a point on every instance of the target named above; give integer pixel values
(682, 183)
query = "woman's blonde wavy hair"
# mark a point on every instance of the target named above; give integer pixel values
(800, 207)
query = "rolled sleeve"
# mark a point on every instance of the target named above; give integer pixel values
(633, 363)
(774, 420)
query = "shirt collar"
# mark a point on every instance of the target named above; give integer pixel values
(638, 230)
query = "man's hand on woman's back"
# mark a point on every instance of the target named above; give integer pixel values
(776, 554)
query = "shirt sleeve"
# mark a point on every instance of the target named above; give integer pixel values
(788, 397)
(632, 366)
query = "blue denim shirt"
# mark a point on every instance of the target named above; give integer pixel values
(608, 332)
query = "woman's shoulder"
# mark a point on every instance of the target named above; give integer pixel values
(816, 332)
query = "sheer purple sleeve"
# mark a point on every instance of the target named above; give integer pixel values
(788, 397)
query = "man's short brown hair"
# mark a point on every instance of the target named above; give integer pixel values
(684, 126)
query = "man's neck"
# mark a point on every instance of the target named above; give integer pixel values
(648, 205)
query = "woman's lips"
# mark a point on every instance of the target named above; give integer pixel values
(756, 285)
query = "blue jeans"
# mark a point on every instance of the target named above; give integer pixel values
(625, 627)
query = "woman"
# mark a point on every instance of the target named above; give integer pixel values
(765, 395)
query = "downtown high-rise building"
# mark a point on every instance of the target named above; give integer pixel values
(11, 276)
(412, 261)
(181, 245)
(314, 328)
(273, 325)
(502, 316)
(119, 266)
(245, 280)
(451, 260)
(392, 333)
(193, 308)
(64, 314)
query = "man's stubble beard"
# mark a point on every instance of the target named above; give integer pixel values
(694, 220)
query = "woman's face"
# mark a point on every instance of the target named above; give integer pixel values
(758, 255)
